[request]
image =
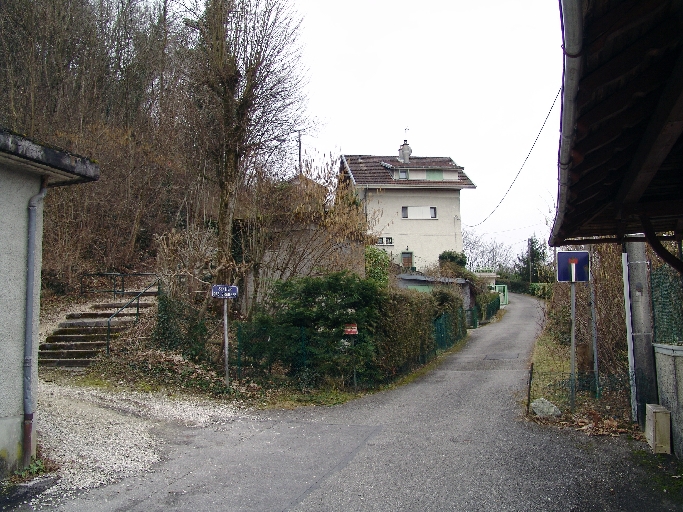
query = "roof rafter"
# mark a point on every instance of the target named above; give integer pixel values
(662, 132)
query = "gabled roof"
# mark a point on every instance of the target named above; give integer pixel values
(377, 171)
(621, 148)
(62, 168)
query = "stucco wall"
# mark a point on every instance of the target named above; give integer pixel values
(15, 191)
(669, 364)
(425, 238)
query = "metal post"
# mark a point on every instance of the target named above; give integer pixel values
(629, 336)
(528, 392)
(240, 340)
(353, 345)
(225, 339)
(530, 261)
(594, 330)
(572, 377)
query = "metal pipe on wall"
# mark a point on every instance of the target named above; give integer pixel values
(28, 329)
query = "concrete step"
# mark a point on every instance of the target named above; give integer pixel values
(88, 330)
(95, 323)
(149, 293)
(76, 344)
(84, 337)
(70, 354)
(79, 363)
(115, 306)
(100, 314)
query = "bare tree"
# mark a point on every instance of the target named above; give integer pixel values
(249, 92)
(482, 253)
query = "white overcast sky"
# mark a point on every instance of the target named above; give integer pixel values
(470, 79)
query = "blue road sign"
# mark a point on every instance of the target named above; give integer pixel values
(224, 291)
(579, 260)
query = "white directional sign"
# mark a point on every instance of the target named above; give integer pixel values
(224, 291)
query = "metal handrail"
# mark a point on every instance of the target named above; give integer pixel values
(114, 276)
(137, 313)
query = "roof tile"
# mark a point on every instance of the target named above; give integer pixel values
(376, 170)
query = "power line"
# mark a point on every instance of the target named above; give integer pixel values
(512, 229)
(522, 167)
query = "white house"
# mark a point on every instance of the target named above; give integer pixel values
(412, 203)
(27, 170)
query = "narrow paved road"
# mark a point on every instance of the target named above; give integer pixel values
(453, 440)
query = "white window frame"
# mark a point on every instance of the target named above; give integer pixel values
(419, 212)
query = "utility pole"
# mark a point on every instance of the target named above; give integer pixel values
(639, 329)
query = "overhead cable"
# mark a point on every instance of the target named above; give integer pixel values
(522, 167)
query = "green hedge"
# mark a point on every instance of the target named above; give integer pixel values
(303, 330)
(488, 303)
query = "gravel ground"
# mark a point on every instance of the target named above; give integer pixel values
(98, 437)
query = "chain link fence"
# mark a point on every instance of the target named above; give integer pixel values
(667, 305)
(612, 389)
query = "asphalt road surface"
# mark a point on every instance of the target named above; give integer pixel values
(455, 439)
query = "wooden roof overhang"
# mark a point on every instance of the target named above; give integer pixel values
(621, 149)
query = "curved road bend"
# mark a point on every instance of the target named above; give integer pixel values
(452, 440)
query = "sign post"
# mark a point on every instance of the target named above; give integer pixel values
(352, 329)
(573, 266)
(225, 292)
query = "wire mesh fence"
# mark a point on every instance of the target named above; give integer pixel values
(613, 389)
(667, 305)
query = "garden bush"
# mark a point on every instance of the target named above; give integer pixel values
(302, 330)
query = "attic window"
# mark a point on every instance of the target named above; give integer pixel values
(403, 174)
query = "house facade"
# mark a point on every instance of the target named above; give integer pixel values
(412, 203)
(27, 170)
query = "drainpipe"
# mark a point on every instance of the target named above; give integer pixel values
(28, 331)
(571, 16)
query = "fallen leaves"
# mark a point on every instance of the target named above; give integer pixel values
(592, 423)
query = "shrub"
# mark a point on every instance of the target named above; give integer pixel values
(488, 303)
(405, 331)
(306, 328)
(459, 258)
(377, 263)
(181, 327)
(303, 329)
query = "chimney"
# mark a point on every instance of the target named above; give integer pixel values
(404, 152)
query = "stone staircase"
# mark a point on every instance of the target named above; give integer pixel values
(82, 336)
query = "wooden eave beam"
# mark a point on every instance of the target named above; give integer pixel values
(658, 247)
(655, 209)
(611, 240)
(664, 129)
